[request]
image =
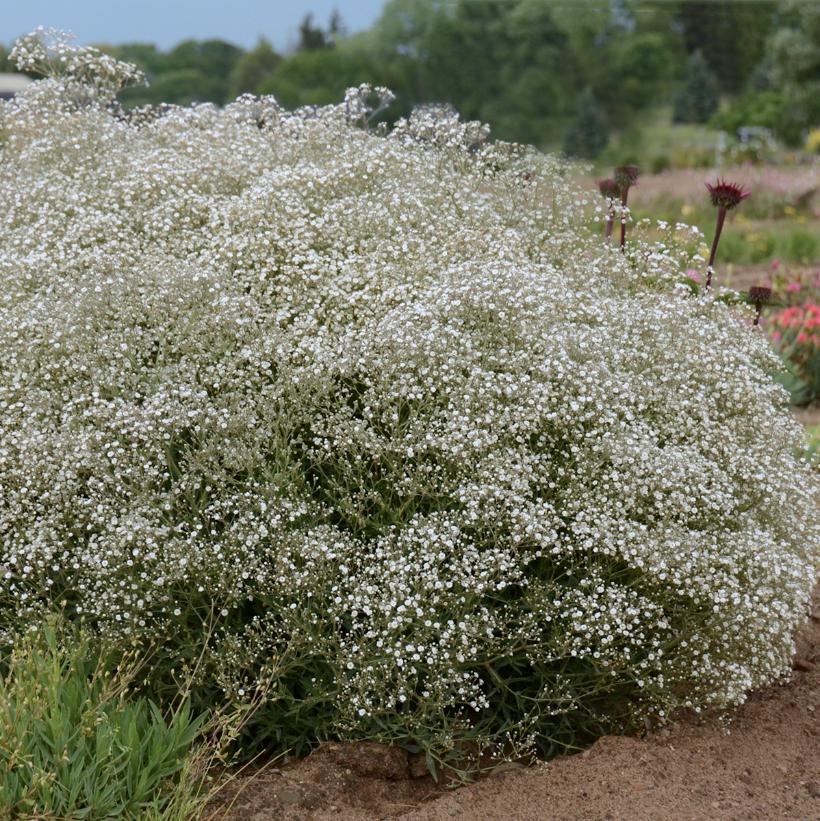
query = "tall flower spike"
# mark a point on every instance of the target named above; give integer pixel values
(610, 190)
(625, 177)
(724, 196)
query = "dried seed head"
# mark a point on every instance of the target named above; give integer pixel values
(608, 188)
(760, 294)
(626, 176)
(726, 194)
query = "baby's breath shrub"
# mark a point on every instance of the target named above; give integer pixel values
(375, 423)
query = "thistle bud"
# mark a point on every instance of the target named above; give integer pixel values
(625, 178)
(760, 295)
(726, 194)
(609, 188)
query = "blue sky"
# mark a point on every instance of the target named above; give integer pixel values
(166, 22)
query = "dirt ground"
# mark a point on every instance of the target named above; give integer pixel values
(767, 766)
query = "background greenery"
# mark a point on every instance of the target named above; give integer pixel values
(547, 72)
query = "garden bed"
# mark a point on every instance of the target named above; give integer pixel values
(767, 765)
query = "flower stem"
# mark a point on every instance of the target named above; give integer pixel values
(721, 218)
(624, 195)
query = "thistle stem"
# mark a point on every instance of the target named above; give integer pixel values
(759, 312)
(624, 195)
(721, 218)
(609, 222)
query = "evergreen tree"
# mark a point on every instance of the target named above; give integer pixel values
(697, 99)
(588, 135)
(311, 38)
(253, 68)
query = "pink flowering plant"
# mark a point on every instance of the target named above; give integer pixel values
(795, 332)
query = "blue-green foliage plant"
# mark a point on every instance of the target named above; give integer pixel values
(75, 744)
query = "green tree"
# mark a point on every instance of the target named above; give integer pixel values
(499, 61)
(629, 53)
(794, 55)
(731, 36)
(320, 76)
(588, 135)
(214, 60)
(253, 68)
(697, 99)
(311, 38)
(5, 63)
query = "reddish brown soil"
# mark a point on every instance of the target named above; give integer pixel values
(766, 766)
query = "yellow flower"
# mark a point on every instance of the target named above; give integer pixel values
(687, 210)
(790, 210)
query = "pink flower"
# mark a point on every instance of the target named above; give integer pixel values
(693, 275)
(793, 286)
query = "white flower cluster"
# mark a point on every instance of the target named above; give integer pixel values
(51, 53)
(386, 415)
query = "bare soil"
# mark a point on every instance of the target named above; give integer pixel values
(766, 766)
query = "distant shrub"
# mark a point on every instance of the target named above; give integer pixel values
(376, 420)
(697, 100)
(588, 136)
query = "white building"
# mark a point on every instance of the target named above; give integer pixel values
(10, 84)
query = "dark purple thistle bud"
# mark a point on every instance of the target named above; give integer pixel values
(725, 196)
(625, 177)
(760, 295)
(609, 189)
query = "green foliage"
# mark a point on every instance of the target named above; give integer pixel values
(697, 99)
(253, 67)
(794, 51)
(785, 96)
(588, 135)
(789, 244)
(768, 109)
(193, 71)
(522, 65)
(318, 76)
(656, 144)
(731, 36)
(74, 745)
(814, 442)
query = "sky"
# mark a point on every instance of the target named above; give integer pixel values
(166, 22)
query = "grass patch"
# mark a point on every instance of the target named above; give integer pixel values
(74, 745)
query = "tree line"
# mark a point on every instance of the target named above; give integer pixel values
(549, 72)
